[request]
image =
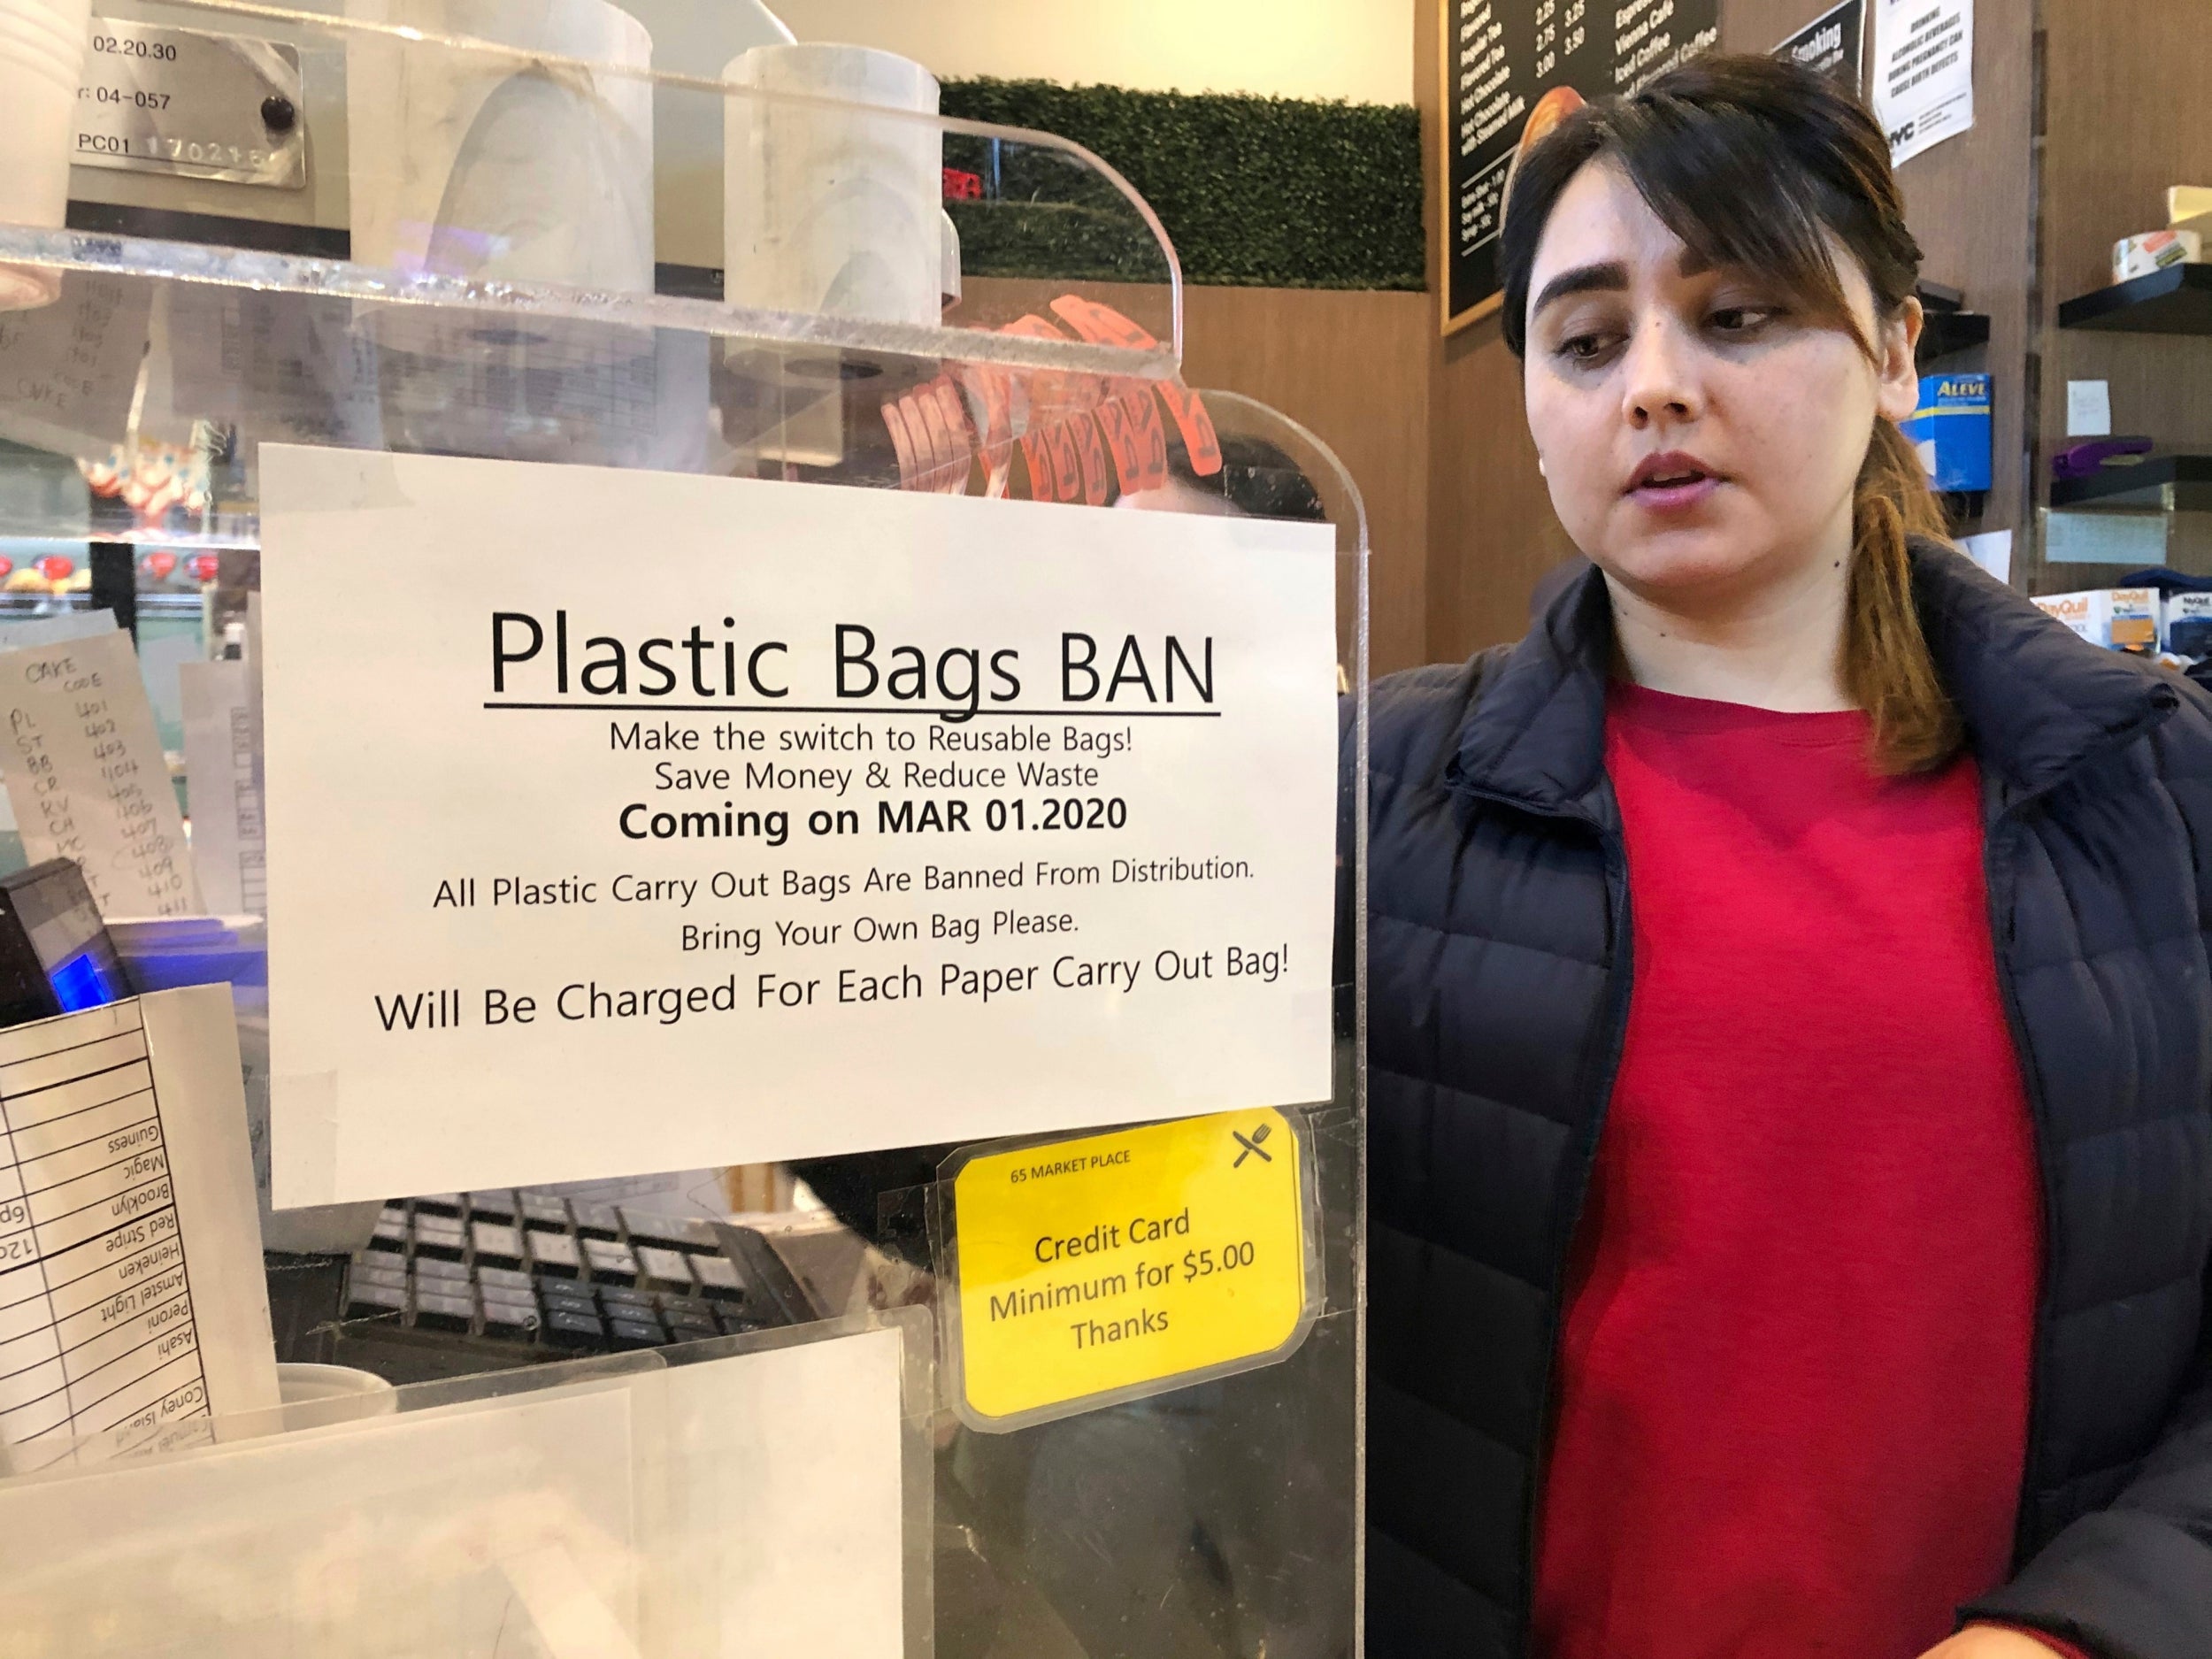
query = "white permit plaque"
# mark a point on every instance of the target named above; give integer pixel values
(623, 821)
(185, 102)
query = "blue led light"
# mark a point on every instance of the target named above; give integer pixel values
(80, 983)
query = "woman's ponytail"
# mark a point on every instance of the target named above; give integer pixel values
(1886, 667)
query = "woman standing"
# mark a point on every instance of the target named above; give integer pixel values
(1791, 1029)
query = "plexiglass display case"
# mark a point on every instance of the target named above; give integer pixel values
(419, 241)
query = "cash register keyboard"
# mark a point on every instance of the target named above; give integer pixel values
(531, 1268)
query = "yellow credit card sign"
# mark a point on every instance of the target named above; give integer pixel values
(1113, 1263)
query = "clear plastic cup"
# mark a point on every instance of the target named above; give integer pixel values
(829, 210)
(41, 64)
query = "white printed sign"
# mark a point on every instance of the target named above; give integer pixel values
(80, 355)
(87, 776)
(1924, 73)
(707, 821)
(191, 104)
(283, 366)
(225, 791)
(2089, 409)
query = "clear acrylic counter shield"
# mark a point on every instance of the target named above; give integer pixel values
(1950, 429)
(794, 1489)
(1105, 1268)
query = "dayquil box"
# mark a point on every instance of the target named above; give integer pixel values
(2135, 618)
(2119, 618)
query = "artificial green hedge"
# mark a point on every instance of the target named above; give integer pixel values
(1266, 192)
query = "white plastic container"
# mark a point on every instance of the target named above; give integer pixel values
(41, 62)
(486, 165)
(832, 211)
(2154, 250)
(318, 1396)
(300, 1385)
(480, 165)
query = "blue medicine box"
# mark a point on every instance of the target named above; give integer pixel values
(1950, 430)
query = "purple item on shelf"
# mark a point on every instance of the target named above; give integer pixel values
(2092, 455)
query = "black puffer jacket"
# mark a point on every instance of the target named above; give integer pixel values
(1498, 994)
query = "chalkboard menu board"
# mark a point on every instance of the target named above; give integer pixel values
(1512, 68)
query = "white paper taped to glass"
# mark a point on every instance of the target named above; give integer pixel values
(707, 821)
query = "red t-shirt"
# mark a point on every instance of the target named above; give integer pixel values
(1793, 1377)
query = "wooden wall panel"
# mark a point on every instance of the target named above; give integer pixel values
(1971, 205)
(1352, 367)
(1492, 532)
(2125, 115)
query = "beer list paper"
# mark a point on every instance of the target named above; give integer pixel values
(82, 353)
(133, 1306)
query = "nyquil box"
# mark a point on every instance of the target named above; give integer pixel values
(2119, 618)
(2189, 624)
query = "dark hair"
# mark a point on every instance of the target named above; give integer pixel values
(1764, 165)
